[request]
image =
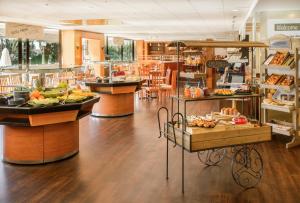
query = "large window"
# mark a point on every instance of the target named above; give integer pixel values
(128, 50)
(116, 52)
(13, 48)
(32, 52)
(113, 50)
(42, 52)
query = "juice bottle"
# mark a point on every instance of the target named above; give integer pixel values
(187, 92)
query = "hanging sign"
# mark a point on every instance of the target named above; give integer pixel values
(287, 27)
(216, 64)
(23, 31)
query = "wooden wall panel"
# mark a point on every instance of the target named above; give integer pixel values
(52, 118)
(35, 145)
(140, 49)
(68, 47)
(71, 45)
(23, 144)
(78, 47)
(115, 104)
(61, 140)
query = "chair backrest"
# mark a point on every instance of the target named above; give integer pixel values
(33, 80)
(155, 79)
(168, 76)
(174, 79)
(144, 71)
(49, 79)
(4, 81)
(14, 80)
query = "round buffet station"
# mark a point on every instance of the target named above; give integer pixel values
(36, 135)
(117, 98)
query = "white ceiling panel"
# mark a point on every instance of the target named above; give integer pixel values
(141, 19)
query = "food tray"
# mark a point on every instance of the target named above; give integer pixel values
(243, 93)
(223, 95)
(275, 81)
(281, 127)
(284, 108)
(269, 59)
(285, 56)
(285, 77)
(278, 87)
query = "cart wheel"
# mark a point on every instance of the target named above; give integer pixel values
(211, 157)
(247, 167)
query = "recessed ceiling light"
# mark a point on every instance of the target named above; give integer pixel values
(235, 10)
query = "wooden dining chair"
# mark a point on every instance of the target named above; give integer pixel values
(14, 80)
(167, 89)
(4, 82)
(144, 71)
(33, 79)
(49, 82)
(144, 75)
(154, 83)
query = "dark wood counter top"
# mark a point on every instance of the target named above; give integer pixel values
(114, 84)
(47, 109)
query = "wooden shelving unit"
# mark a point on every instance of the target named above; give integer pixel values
(292, 110)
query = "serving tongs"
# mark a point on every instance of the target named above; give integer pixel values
(64, 101)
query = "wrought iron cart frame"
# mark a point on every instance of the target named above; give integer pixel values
(242, 155)
(165, 132)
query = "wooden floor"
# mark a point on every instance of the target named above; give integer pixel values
(122, 160)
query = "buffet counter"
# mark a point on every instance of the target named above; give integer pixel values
(35, 135)
(117, 98)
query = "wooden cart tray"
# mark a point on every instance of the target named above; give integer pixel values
(222, 136)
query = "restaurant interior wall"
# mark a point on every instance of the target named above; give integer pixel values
(71, 41)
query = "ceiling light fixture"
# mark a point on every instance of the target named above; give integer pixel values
(235, 10)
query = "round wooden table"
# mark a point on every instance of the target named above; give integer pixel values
(117, 98)
(36, 135)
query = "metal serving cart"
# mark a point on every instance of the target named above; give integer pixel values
(211, 144)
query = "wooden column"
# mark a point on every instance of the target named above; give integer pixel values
(211, 72)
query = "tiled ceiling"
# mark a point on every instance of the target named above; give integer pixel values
(137, 19)
(278, 5)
